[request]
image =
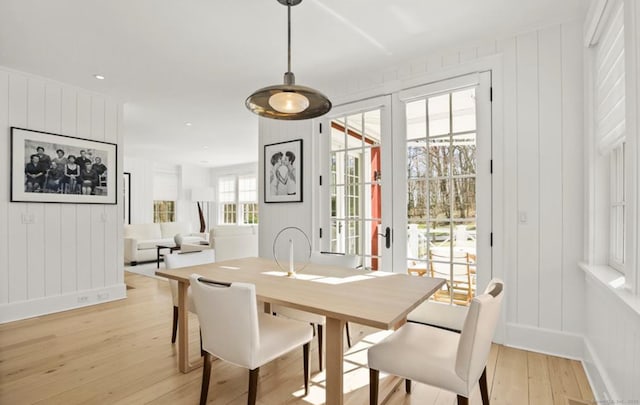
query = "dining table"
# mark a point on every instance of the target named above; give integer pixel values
(380, 299)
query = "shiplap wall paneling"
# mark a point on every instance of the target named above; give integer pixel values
(4, 187)
(550, 121)
(35, 230)
(68, 212)
(52, 212)
(83, 211)
(274, 217)
(508, 49)
(573, 288)
(98, 214)
(51, 251)
(528, 190)
(113, 258)
(613, 334)
(18, 252)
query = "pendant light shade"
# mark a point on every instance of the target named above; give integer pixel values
(288, 101)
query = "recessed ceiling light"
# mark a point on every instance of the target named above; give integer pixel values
(188, 124)
(205, 147)
(99, 77)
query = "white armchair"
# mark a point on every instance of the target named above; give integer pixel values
(234, 331)
(329, 259)
(438, 357)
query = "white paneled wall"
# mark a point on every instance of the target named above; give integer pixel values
(71, 255)
(540, 163)
(141, 189)
(612, 357)
(274, 217)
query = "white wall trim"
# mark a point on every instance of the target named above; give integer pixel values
(546, 341)
(596, 373)
(47, 305)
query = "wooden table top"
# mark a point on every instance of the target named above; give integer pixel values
(374, 298)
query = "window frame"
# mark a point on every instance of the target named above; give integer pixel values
(240, 205)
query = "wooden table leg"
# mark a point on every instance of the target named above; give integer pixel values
(183, 328)
(334, 361)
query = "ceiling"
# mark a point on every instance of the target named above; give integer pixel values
(173, 62)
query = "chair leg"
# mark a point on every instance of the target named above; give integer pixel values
(201, 350)
(483, 387)
(175, 324)
(320, 346)
(253, 386)
(206, 376)
(305, 365)
(346, 326)
(463, 400)
(407, 385)
(374, 376)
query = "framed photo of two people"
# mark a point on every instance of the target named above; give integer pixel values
(283, 172)
(54, 168)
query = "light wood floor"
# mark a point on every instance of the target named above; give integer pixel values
(120, 353)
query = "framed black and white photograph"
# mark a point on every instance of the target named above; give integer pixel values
(47, 167)
(283, 172)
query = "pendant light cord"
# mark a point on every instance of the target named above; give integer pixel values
(289, 38)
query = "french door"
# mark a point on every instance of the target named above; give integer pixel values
(443, 151)
(356, 215)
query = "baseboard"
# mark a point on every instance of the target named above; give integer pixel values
(600, 383)
(555, 343)
(47, 305)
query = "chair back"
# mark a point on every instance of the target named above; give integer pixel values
(228, 319)
(177, 260)
(442, 264)
(335, 259)
(477, 332)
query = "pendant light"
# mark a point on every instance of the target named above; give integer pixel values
(288, 101)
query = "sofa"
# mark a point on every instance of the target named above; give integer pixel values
(234, 242)
(141, 240)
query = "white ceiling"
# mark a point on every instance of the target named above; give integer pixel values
(178, 61)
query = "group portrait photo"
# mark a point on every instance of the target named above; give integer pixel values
(56, 168)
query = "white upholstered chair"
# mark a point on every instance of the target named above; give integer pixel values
(438, 357)
(328, 259)
(233, 330)
(184, 259)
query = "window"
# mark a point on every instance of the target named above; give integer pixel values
(238, 198)
(609, 124)
(164, 211)
(617, 217)
(227, 198)
(248, 199)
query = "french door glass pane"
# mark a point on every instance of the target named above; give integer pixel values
(464, 110)
(439, 118)
(417, 120)
(441, 192)
(355, 187)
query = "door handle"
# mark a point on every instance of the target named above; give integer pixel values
(387, 237)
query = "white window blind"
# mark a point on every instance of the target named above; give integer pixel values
(609, 93)
(165, 186)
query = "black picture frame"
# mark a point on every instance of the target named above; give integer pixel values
(283, 172)
(126, 192)
(43, 180)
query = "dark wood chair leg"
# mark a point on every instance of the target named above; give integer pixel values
(346, 326)
(374, 376)
(175, 325)
(206, 376)
(305, 366)
(320, 346)
(463, 400)
(253, 386)
(483, 387)
(407, 385)
(201, 350)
